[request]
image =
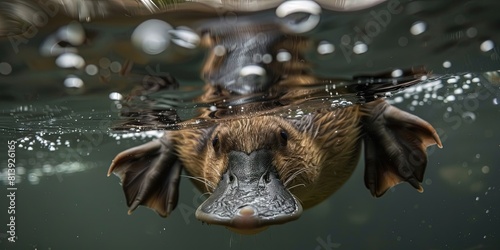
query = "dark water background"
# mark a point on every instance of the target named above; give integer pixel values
(64, 142)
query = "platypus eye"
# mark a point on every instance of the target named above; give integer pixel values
(284, 137)
(215, 141)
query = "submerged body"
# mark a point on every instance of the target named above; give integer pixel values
(262, 169)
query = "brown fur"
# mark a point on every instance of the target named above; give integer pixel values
(319, 157)
(313, 155)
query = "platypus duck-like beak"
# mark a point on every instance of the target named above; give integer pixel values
(250, 196)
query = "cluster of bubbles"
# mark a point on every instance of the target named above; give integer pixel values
(417, 28)
(137, 135)
(34, 175)
(41, 167)
(63, 45)
(432, 89)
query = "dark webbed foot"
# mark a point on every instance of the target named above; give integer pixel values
(149, 175)
(395, 147)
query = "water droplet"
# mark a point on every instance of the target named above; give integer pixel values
(418, 28)
(292, 15)
(5, 68)
(487, 46)
(495, 101)
(360, 48)
(450, 98)
(325, 47)
(447, 64)
(458, 91)
(477, 198)
(152, 36)
(283, 56)
(213, 108)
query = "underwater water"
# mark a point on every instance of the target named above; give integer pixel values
(80, 83)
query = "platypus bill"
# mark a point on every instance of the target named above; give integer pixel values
(265, 170)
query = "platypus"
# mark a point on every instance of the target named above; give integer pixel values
(263, 169)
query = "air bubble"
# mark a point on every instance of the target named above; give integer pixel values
(471, 32)
(447, 64)
(325, 47)
(33, 178)
(396, 73)
(73, 82)
(5, 68)
(91, 69)
(267, 58)
(70, 60)
(115, 96)
(252, 70)
(185, 37)
(115, 67)
(485, 169)
(152, 36)
(418, 28)
(486, 46)
(219, 50)
(469, 116)
(73, 33)
(283, 56)
(360, 48)
(403, 41)
(292, 12)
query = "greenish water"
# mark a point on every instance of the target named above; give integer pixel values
(64, 140)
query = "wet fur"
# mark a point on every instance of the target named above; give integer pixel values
(322, 148)
(320, 152)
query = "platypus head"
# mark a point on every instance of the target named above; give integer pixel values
(245, 164)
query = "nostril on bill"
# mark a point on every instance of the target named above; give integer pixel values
(247, 211)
